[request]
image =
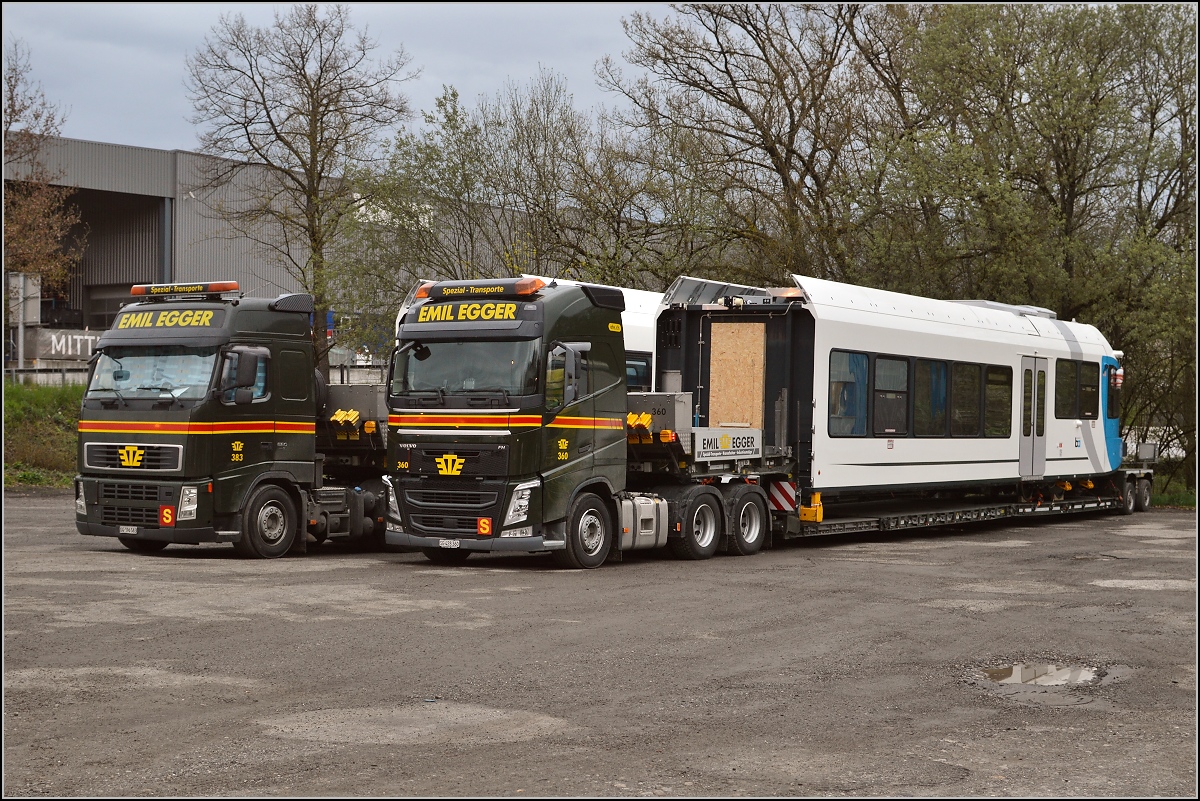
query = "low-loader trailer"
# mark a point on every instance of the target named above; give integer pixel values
(814, 409)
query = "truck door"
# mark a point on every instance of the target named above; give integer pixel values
(1033, 417)
(570, 432)
(243, 442)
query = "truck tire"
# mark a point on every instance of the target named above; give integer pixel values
(1141, 499)
(446, 556)
(750, 523)
(142, 546)
(268, 524)
(1128, 498)
(589, 534)
(701, 529)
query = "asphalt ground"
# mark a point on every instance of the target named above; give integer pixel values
(845, 666)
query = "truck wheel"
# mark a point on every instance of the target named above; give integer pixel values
(446, 556)
(1141, 499)
(1128, 500)
(589, 534)
(750, 523)
(142, 546)
(268, 524)
(701, 529)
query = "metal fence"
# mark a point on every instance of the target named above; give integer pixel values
(62, 376)
(52, 376)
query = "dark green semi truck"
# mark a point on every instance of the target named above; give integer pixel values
(512, 429)
(204, 420)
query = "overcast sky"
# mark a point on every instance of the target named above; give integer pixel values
(117, 69)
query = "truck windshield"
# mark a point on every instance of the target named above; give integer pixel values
(507, 367)
(156, 371)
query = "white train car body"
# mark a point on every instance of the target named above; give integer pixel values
(1005, 364)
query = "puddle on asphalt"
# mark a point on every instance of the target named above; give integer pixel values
(1045, 675)
(1046, 684)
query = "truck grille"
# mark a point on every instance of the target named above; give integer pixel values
(132, 456)
(450, 508)
(128, 492)
(457, 498)
(438, 526)
(128, 515)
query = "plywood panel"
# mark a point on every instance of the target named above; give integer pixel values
(736, 368)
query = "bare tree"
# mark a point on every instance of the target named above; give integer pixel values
(42, 231)
(293, 110)
(760, 89)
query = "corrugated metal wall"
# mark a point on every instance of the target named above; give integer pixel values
(207, 248)
(123, 199)
(107, 167)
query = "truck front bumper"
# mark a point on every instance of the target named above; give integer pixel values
(175, 534)
(403, 539)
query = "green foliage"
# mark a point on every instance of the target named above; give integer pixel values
(40, 433)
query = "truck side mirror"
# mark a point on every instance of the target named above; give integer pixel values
(571, 390)
(247, 370)
(562, 387)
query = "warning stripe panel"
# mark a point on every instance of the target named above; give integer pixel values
(782, 495)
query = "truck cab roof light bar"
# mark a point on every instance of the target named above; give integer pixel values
(486, 288)
(175, 290)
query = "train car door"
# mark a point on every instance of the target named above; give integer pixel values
(1033, 417)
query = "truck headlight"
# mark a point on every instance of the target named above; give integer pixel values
(518, 506)
(393, 512)
(80, 503)
(188, 503)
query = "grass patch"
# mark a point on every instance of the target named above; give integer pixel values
(1180, 498)
(40, 434)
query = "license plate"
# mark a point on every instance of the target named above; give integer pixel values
(127, 529)
(449, 543)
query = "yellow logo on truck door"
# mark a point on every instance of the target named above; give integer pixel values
(450, 464)
(131, 456)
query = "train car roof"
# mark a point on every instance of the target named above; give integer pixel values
(832, 299)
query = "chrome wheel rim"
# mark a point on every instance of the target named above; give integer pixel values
(750, 523)
(272, 522)
(704, 525)
(591, 532)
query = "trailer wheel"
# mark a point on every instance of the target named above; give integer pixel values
(142, 546)
(701, 529)
(1141, 499)
(589, 534)
(446, 556)
(1128, 498)
(750, 523)
(268, 524)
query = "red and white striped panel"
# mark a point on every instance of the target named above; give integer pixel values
(782, 495)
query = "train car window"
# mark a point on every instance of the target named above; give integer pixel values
(1089, 390)
(1113, 409)
(1041, 404)
(847, 394)
(997, 402)
(1066, 388)
(637, 371)
(1027, 404)
(964, 400)
(929, 399)
(891, 396)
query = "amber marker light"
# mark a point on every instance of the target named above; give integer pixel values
(423, 290)
(529, 285)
